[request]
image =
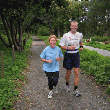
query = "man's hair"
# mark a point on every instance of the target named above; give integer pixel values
(52, 36)
(74, 22)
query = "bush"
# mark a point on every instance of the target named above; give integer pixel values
(14, 76)
(43, 31)
(100, 39)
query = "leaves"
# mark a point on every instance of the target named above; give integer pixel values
(11, 82)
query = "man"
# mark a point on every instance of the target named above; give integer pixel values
(70, 42)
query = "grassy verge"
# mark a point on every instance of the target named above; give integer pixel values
(93, 64)
(14, 74)
(97, 45)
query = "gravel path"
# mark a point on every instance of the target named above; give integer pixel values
(100, 51)
(34, 94)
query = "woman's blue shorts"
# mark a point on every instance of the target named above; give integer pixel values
(71, 60)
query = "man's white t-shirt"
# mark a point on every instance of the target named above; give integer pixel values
(69, 39)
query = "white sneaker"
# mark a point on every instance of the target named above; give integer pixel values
(50, 95)
(67, 88)
(56, 90)
(76, 92)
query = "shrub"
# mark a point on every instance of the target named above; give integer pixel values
(43, 31)
(100, 39)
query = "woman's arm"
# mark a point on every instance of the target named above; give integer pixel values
(48, 61)
(58, 58)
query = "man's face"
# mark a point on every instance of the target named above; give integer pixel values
(74, 27)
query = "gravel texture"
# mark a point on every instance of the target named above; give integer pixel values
(34, 94)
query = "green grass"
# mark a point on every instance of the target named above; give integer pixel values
(14, 76)
(93, 64)
(97, 45)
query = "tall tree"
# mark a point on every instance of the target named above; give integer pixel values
(98, 17)
(12, 15)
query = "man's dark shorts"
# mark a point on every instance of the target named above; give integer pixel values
(71, 60)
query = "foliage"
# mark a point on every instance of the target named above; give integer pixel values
(96, 44)
(100, 39)
(97, 22)
(97, 65)
(43, 31)
(13, 75)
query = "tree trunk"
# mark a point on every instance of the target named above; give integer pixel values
(1, 38)
(16, 39)
(12, 34)
(20, 37)
(6, 28)
(58, 32)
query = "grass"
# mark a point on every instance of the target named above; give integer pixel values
(14, 74)
(97, 45)
(93, 64)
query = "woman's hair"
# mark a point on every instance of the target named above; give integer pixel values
(52, 36)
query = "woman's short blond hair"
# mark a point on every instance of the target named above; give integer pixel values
(52, 36)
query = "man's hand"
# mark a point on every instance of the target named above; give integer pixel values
(49, 61)
(81, 49)
(71, 47)
(58, 58)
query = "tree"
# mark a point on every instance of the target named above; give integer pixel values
(97, 17)
(12, 15)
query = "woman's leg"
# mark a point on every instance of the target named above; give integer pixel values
(50, 80)
(55, 78)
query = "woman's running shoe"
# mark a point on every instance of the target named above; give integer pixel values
(50, 95)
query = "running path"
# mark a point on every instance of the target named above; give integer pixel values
(100, 51)
(34, 94)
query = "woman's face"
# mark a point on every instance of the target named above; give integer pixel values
(52, 42)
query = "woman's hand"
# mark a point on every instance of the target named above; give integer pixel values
(58, 58)
(49, 61)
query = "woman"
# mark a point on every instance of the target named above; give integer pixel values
(50, 56)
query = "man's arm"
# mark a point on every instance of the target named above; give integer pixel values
(81, 46)
(64, 47)
(81, 43)
(69, 47)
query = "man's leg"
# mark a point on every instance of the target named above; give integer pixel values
(76, 81)
(76, 76)
(67, 76)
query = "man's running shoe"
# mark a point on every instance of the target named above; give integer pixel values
(76, 92)
(50, 95)
(67, 88)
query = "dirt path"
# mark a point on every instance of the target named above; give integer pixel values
(35, 92)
